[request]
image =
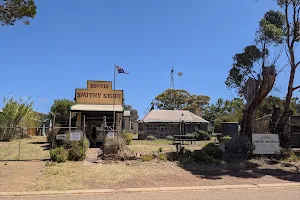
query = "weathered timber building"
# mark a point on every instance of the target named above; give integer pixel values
(162, 123)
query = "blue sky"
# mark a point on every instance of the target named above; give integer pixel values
(70, 42)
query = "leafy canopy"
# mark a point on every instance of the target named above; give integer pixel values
(250, 63)
(14, 10)
(61, 110)
(180, 100)
(133, 112)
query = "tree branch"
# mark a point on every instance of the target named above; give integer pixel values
(296, 88)
(286, 8)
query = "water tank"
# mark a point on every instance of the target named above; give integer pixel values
(230, 128)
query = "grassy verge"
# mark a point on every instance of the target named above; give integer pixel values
(34, 148)
(148, 146)
(75, 175)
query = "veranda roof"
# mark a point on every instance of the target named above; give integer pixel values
(88, 107)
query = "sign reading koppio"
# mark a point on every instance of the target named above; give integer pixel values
(99, 92)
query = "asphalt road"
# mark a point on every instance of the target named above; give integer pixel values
(292, 193)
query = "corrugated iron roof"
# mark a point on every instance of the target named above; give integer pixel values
(172, 116)
(88, 107)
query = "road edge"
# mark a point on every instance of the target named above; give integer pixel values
(124, 190)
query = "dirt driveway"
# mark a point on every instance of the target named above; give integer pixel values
(17, 176)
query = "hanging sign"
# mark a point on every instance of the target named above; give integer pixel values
(76, 135)
(110, 135)
(61, 136)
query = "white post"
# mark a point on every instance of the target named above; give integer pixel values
(70, 121)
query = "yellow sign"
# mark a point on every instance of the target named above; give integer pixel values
(99, 92)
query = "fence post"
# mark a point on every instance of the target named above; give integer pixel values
(20, 137)
(83, 135)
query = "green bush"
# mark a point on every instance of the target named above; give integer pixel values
(59, 154)
(160, 150)
(169, 137)
(239, 145)
(76, 152)
(127, 138)
(162, 157)
(203, 135)
(202, 156)
(151, 137)
(213, 150)
(288, 155)
(147, 157)
(172, 156)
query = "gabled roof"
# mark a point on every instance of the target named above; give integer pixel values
(172, 116)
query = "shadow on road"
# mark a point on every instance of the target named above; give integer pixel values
(246, 169)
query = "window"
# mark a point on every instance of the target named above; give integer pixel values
(161, 127)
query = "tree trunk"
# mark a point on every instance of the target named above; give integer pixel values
(291, 34)
(264, 88)
(282, 128)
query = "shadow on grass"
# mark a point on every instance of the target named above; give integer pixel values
(39, 143)
(25, 160)
(244, 169)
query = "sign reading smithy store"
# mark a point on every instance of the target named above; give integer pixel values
(99, 92)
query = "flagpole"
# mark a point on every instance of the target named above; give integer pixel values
(114, 96)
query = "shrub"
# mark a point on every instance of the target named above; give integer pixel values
(160, 149)
(51, 137)
(151, 137)
(147, 157)
(239, 145)
(127, 138)
(288, 155)
(76, 152)
(213, 150)
(162, 157)
(203, 135)
(58, 154)
(172, 156)
(169, 137)
(203, 156)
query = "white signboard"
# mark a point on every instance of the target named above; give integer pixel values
(266, 143)
(110, 135)
(75, 135)
(61, 137)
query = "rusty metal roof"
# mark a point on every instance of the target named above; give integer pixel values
(172, 116)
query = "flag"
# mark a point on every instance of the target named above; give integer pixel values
(121, 70)
(180, 74)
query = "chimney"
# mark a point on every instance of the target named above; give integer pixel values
(199, 112)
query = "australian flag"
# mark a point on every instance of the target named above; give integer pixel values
(121, 70)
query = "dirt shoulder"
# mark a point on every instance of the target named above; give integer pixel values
(18, 176)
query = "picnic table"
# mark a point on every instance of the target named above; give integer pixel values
(179, 141)
(182, 138)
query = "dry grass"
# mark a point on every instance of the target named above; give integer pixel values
(75, 175)
(34, 148)
(148, 146)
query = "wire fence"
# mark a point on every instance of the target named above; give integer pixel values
(30, 143)
(23, 143)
